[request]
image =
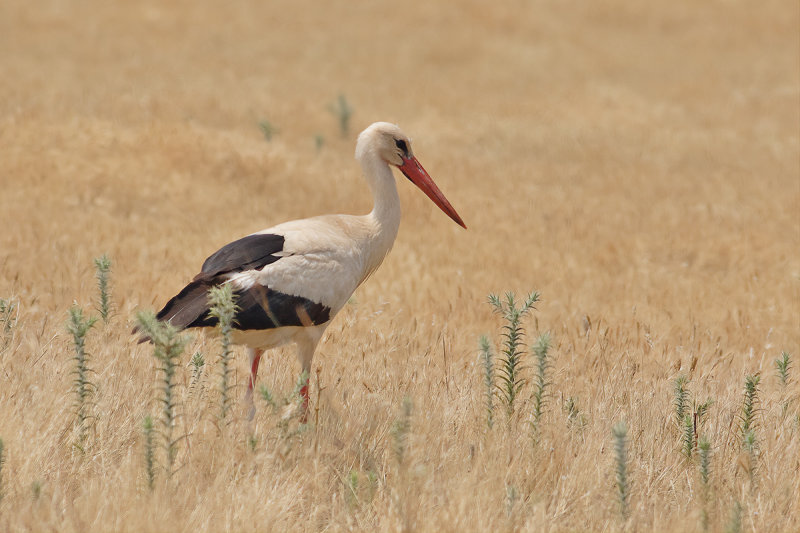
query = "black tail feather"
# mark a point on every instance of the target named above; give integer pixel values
(189, 308)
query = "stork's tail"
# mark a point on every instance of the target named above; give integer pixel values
(188, 309)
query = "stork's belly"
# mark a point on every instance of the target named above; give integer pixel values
(272, 338)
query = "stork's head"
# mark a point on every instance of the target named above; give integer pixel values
(388, 143)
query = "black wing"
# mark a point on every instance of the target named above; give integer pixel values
(248, 253)
(259, 307)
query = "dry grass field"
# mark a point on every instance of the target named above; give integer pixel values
(638, 163)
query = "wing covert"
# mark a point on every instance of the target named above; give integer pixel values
(248, 253)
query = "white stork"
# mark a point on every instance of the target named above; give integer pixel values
(290, 280)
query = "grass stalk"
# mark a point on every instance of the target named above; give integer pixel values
(9, 312)
(2, 463)
(620, 434)
(82, 385)
(400, 430)
(102, 266)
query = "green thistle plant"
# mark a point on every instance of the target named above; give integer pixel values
(223, 307)
(168, 347)
(575, 418)
(149, 451)
(541, 350)
(267, 396)
(488, 378)
(103, 269)
(782, 366)
(82, 385)
(681, 401)
(750, 405)
(512, 495)
(735, 520)
(344, 113)
(267, 129)
(750, 444)
(704, 451)
(687, 438)
(198, 363)
(620, 434)
(511, 380)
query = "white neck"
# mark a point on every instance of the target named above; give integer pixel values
(385, 214)
(386, 202)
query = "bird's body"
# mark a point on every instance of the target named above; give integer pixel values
(292, 279)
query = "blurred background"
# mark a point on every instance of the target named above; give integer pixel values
(638, 163)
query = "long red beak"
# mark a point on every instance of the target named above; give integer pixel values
(414, 172)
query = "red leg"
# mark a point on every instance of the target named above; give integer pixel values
(255, 358)
(254, 369)
(304, 395)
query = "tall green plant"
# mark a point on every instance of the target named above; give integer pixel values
(488, 378)
(782, 366)
(511, 380)
(149, 451)
(103, 271)
(82, 384)
(705, 480)
(620, 434)
(749, 405)
(541, 350)
(681, 401)
(223, 308)
(344, 112)
(168, 347)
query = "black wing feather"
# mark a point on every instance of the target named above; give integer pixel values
(248, 253)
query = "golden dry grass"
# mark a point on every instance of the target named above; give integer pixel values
(636, 162)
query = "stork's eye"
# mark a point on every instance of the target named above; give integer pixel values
(400, 143)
